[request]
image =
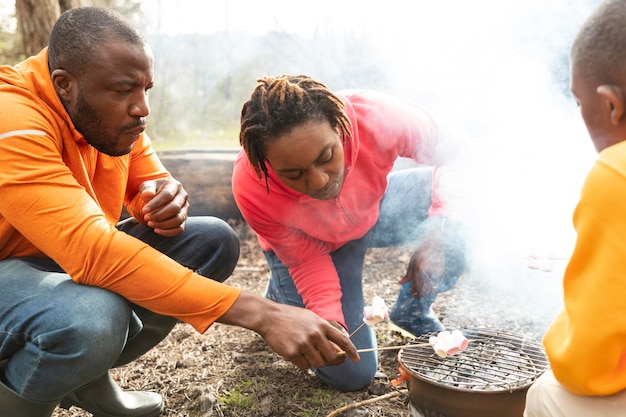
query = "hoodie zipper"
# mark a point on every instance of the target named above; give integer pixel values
(345, 211)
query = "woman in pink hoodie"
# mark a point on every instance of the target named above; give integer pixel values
(315, 181)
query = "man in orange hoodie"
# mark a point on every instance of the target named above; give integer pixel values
(586, 343)
(82, 293)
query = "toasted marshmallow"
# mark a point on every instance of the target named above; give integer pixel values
(448, 343)
(375, 313)
(459, 340)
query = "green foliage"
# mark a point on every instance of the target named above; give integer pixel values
(241, 397)
(317, 401)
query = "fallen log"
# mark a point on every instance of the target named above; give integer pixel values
(206, 175)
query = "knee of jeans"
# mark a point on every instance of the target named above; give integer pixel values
(94, 327)
(350, 376)
(223, 246)
(224, 232)
(230, 242)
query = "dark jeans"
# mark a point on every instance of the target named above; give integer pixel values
(57, 335)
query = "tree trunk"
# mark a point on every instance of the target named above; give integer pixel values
(70, 4)
(35, 20)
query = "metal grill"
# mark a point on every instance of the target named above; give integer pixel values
(495, 360)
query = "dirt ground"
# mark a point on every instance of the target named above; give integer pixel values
(229, 371)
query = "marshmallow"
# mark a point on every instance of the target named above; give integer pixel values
(448, 343)
(375, 313)
(459, 340)
(541, 260)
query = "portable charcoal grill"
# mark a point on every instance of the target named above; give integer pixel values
(490, 378)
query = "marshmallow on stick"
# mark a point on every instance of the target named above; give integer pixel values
(448, 343)
(375, 313)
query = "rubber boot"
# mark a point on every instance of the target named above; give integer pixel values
(413, 317)
(13, 405)
(155, 328)
(104, 398)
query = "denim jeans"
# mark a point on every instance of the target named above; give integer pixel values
(57, 335)
(402, 210)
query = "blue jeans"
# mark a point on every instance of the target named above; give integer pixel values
(402, 210)
(57, 335)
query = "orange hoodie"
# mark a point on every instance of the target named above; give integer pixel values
(61, 198)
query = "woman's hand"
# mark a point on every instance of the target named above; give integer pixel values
(426, 268)
(438, 260)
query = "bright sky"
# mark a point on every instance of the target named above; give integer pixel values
(389, 16)
(258, 17)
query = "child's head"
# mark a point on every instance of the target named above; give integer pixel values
(278, 105)
(598, 73)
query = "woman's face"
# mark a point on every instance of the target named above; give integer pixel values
(309, 159)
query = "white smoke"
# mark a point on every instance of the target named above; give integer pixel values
(497, 69)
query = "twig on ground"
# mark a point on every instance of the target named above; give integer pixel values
(365, 402)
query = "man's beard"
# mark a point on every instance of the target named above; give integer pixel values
(91, 126)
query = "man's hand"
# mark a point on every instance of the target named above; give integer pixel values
(298, 335)
(166, 206)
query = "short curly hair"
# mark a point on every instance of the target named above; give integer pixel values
(599, 49)
(279, 104)
(79, 32)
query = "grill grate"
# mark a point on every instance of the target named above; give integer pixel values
(495, 360)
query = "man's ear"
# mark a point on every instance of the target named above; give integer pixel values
(613, 97)
(64, 84)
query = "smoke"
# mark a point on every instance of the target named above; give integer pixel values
(499, 71)
(495, 69)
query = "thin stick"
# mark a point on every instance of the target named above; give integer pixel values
(549, 258)
(365, 402)
(357, 329)
(341, 352)
(394, 347)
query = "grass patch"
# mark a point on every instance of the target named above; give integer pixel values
(317, 402)
(241, 397)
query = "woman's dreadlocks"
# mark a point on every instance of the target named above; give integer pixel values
(277, 105)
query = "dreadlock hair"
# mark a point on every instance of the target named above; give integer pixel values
(78, 33)
(599, 50)
(279, 104)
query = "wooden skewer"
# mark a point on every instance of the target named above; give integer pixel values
(395, 347)
(391, 347)
(357, 329)
(549, 258)
(341, 352)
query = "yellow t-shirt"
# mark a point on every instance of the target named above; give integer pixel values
(586, 343)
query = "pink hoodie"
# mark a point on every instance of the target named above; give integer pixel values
(303, 231)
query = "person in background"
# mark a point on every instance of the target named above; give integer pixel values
(82, 293)
(586, 342)
(314, 180)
